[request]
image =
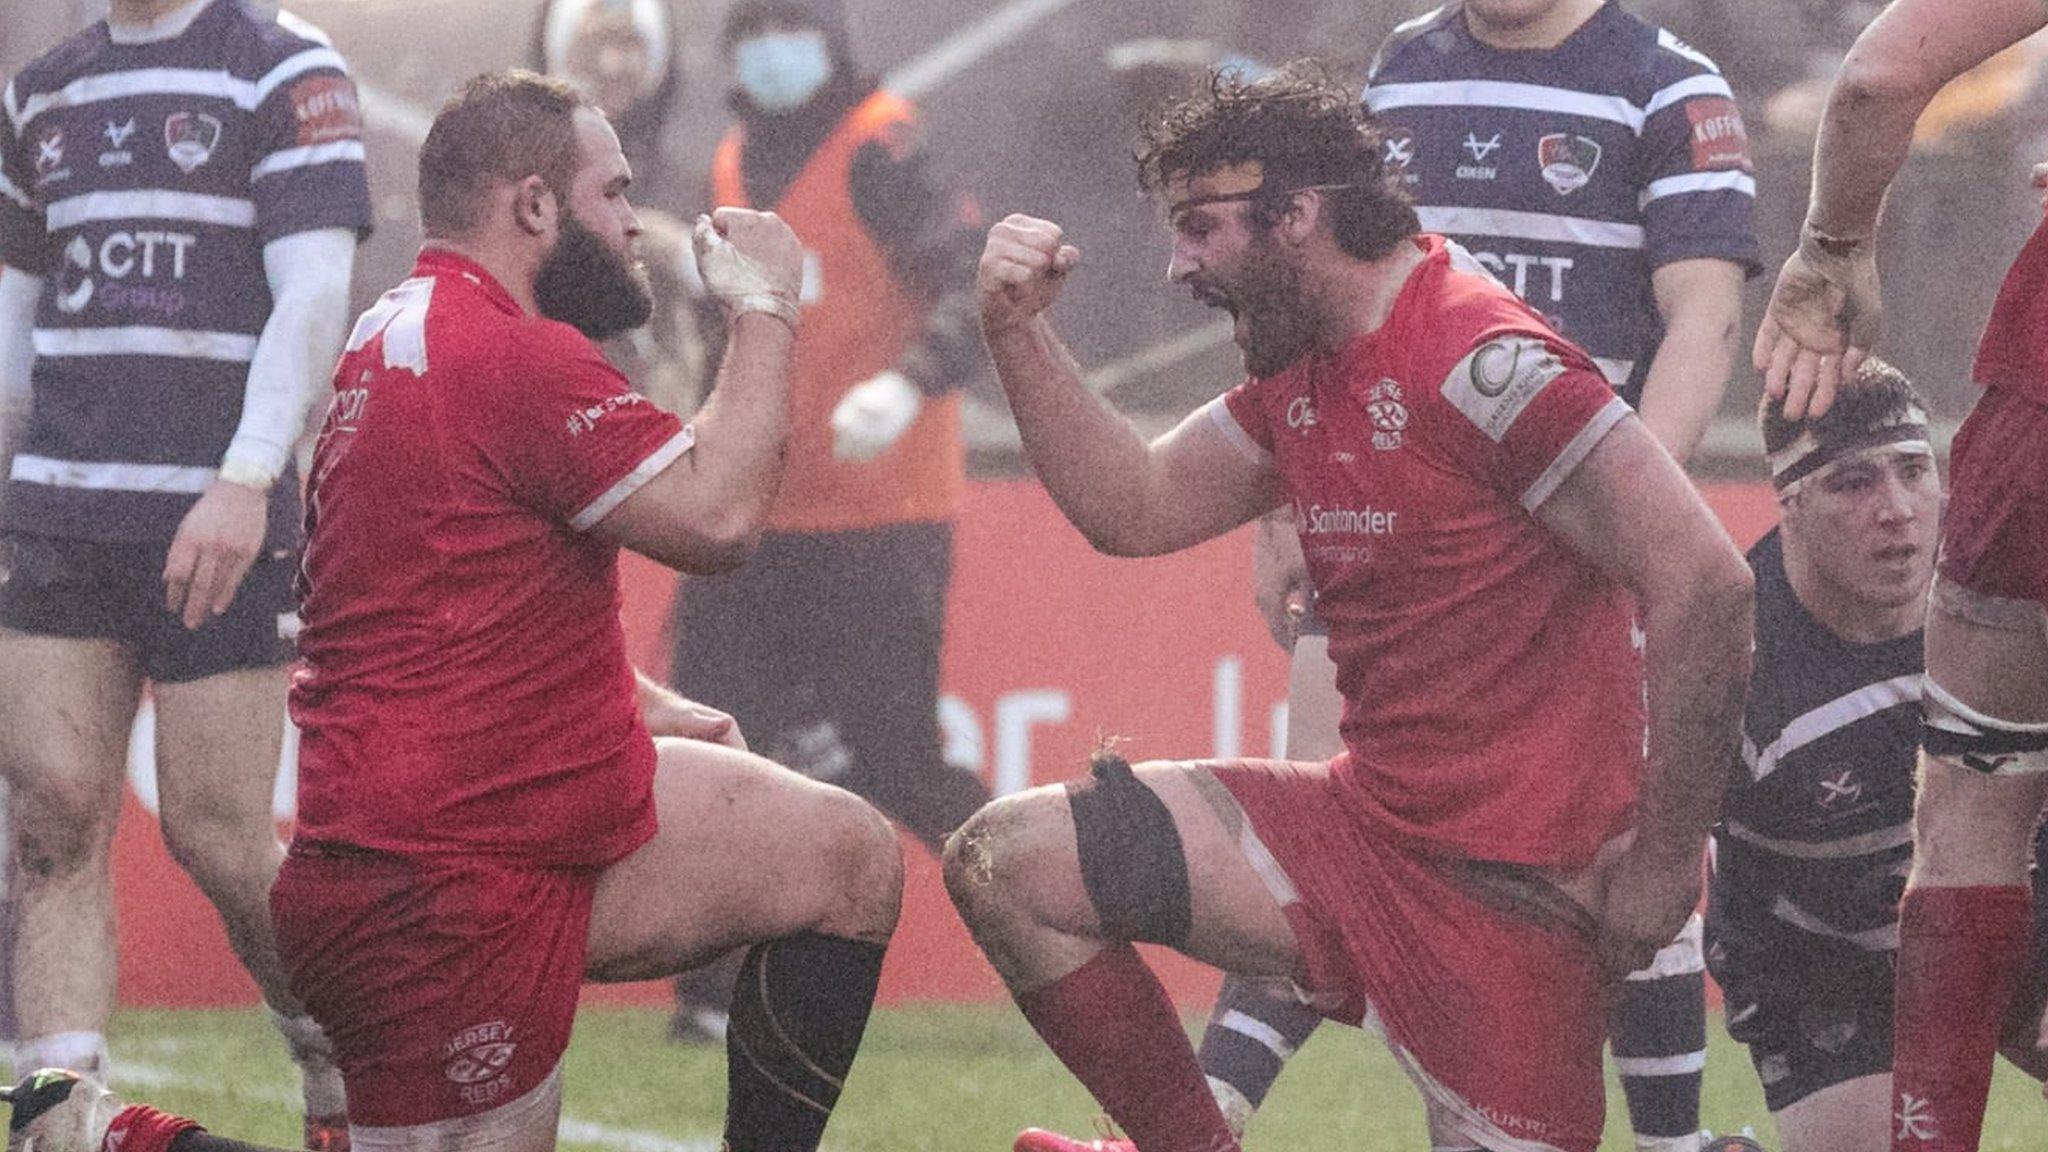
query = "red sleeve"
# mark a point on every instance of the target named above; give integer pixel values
(1524, 410)
(571, 435)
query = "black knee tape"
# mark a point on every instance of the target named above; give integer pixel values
(1132, 862)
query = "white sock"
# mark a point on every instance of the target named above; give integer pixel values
(79, 1051)
(314, 1055)
(1690, 1142)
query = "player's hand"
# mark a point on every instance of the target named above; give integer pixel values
(1824, 316)
(1023, 265)
(1280, 584)
(1645, 897)
(668, 714)
(874, 414)
(215, 544)
(2039, 179)
(750, 261)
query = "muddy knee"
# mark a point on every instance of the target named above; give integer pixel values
(864, 860)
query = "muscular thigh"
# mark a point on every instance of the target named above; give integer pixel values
(1972, 827)
(746, 851)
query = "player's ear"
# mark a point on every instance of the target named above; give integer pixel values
(534, 206)
(1303, 213)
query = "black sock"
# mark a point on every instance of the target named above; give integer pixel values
(1659, 1032)
(798, 1012)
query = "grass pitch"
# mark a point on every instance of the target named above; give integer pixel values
(959, 1078)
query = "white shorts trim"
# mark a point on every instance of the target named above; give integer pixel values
(1997, 612)
(1454, 1122)
(505, 1125)
(1682, 957)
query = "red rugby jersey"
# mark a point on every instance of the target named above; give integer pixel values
(465, 687)
(1493, 691)
(2014, 351)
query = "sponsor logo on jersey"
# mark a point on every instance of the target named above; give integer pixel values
(1513, 269)
(326, 109)
(1498, 379)
(1397, 148)
(117, 134)
(1388, 415)
(1301, 414)
(1568, 161)
(1480, 151)
(50, 157)
(1915, 1119)
(1844, 788)
(149, 257)
(1316, 520)
(189, 139)
(584, 419)
(1718, 137)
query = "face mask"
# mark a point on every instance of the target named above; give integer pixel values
(780, 70)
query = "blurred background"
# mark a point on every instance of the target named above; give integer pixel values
(1032, 106)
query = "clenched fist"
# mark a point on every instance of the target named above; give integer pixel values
(750, 261)
(1022, 267)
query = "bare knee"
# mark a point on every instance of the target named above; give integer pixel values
(62, 825)
(864, 859)
(986, 858)
(223, 852)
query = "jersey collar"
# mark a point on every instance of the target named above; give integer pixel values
(442, 262)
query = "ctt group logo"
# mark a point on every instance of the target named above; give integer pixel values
(143, 271)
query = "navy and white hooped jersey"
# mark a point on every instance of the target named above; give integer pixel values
(141, 181)
(1815, 836)
(1571, 172)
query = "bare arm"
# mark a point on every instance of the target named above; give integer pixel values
(19, 292)
(1629, 510)
(1827, 309)
(704, 512)
(1128, 497)
(1701, 303)
(667, 712)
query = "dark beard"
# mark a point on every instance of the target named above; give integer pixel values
(589, 287)
(1276, 327)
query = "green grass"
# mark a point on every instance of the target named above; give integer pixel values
(963, 1079)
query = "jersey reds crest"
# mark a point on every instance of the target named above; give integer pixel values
(1568, 161)
(1388, 415)
(189, 138)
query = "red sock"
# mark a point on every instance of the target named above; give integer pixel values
(1110, 1023)
(140, 1128)
(1961, 952)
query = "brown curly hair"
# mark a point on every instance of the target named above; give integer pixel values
(1304, 129)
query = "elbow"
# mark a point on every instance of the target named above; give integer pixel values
(722, 543)
(1870, 80)
(1724, 598)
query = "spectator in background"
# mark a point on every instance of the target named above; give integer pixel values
(825, 646)
(178, 254)
(1598, 166)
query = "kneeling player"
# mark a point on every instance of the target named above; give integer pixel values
(1482, 520)
(1815, 838)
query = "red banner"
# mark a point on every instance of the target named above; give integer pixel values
(1049, 648)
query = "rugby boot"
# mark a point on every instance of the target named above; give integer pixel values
(1040, 1140)
(59, 1111)
(327, 1133)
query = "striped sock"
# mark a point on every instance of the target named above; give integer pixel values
(1253, 1031)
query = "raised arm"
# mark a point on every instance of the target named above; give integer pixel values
(1127, 496)
(704, 512)
(1629, 510)
(1827, 311)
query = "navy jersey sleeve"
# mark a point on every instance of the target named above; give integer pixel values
(309, 170)
(24, 235)
(1699, 187)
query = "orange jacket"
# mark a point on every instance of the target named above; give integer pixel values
(857, 320)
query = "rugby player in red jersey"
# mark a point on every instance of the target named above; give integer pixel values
(1483, 521)
(493, 805)
(1966, 923)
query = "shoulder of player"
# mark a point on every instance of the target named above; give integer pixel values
(69, 59)
(1400, 49)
